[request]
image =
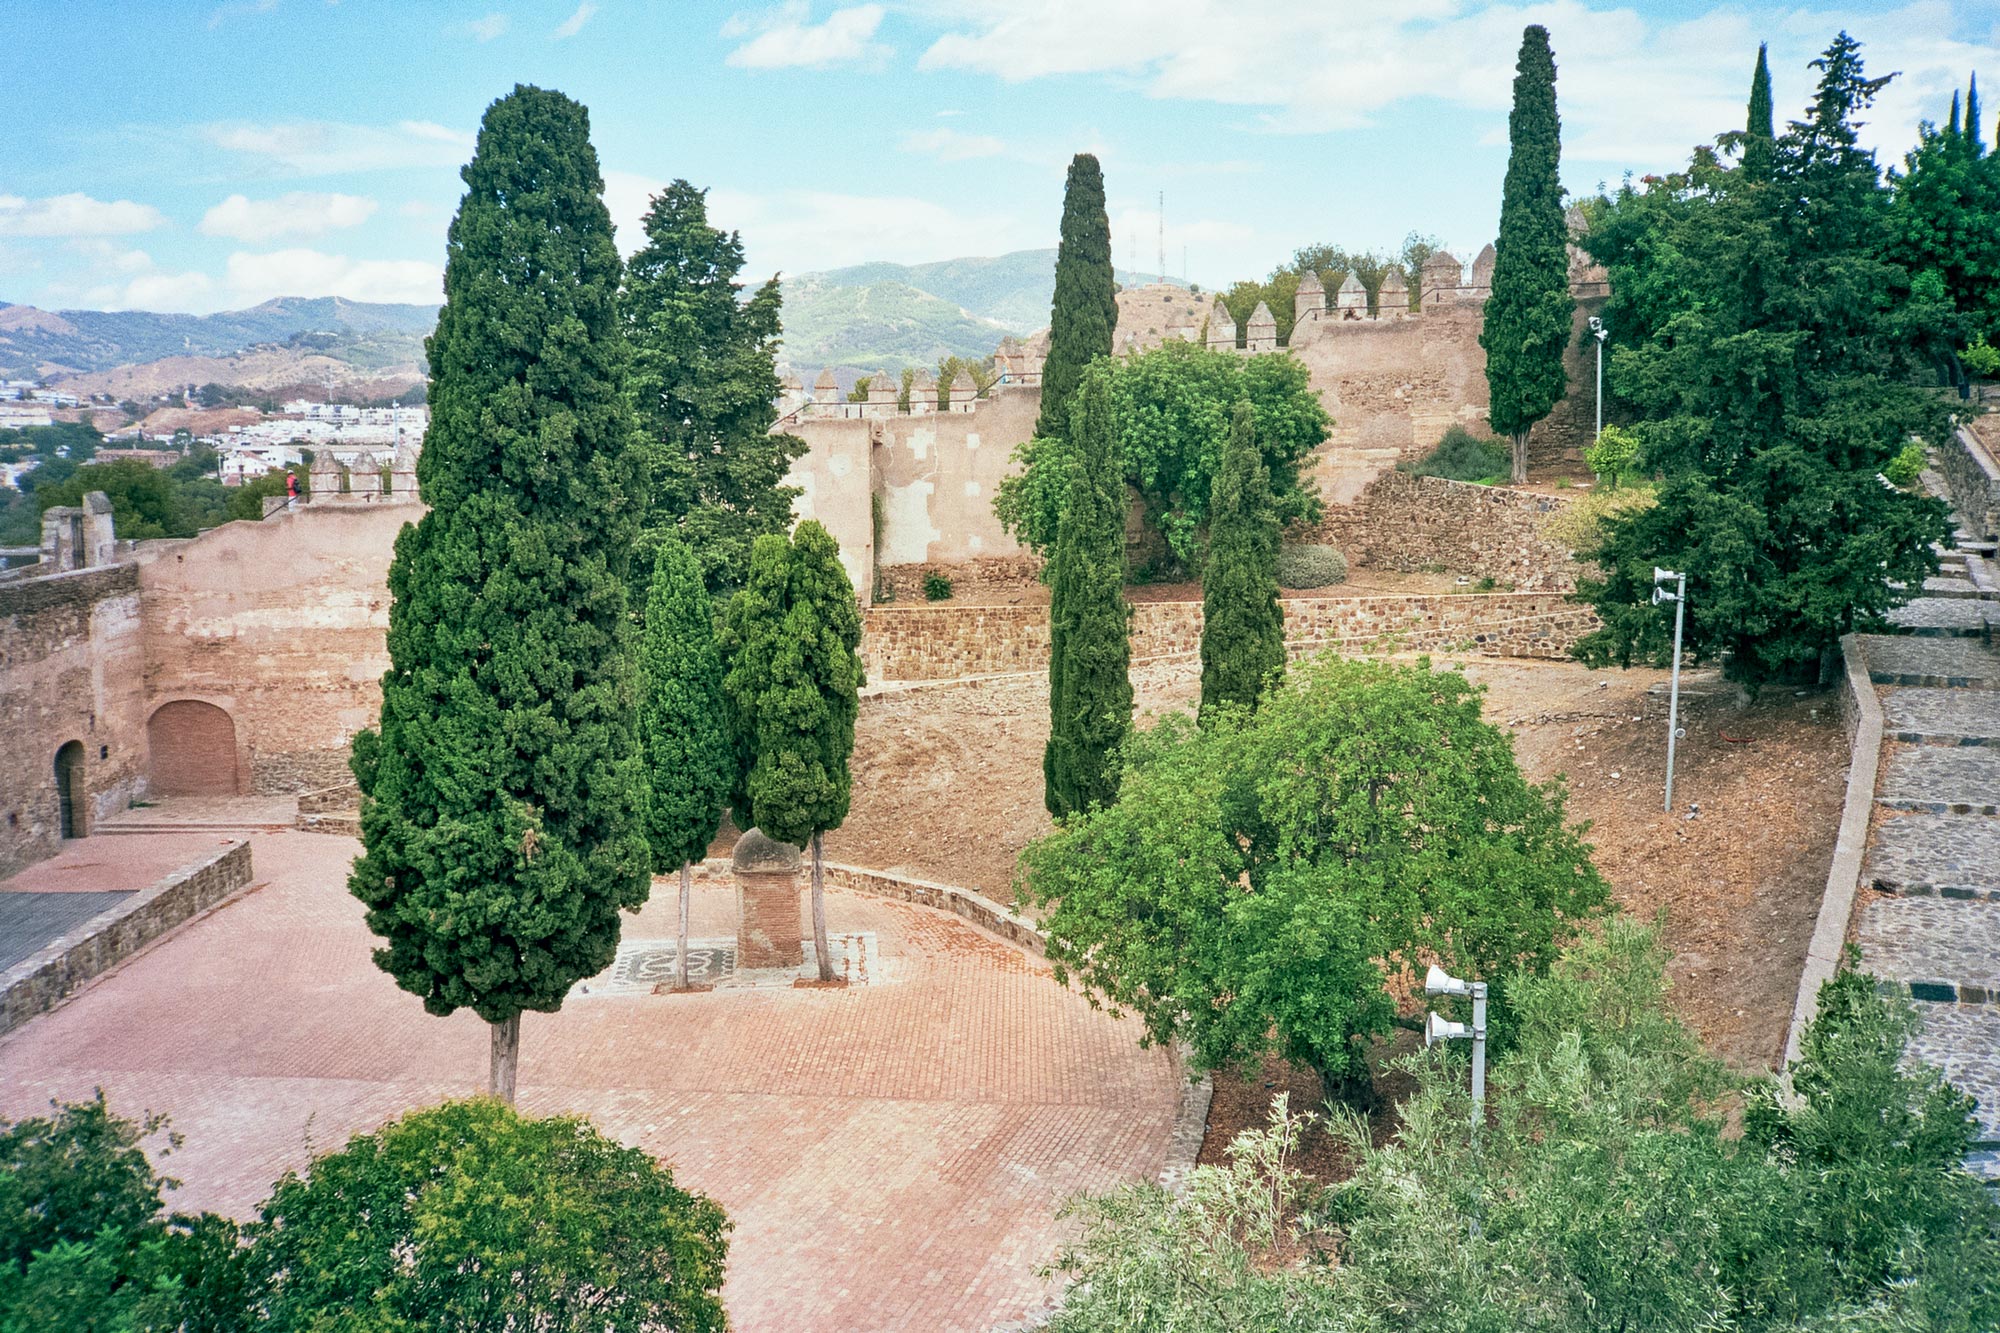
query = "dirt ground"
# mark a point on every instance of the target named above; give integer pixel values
(948, 787)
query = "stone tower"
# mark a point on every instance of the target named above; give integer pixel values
(1310, 301)
(1392, 301)
(1352, 299)
(1221, 327)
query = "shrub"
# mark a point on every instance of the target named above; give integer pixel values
(1463, 456)
(1579, 525)
(1614, 456)
(1310, 566)
(937, 588)
(1904, 469)
(1982, 359)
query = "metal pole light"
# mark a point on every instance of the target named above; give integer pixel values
(1679, 598)
(1599, 332)
(1438, 1028)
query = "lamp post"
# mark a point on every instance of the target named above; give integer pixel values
(1661, 577)
(1599, 332)
(1438, 1028)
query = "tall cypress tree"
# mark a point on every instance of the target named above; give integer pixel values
(504, 822)
(1085, 309)
(704, 383)
(793, 684)
(1951, 126)
(1090, 625)
(682, 725)
(1972, 139)
(1528, 315)
(1760, 131)
(1243, 627)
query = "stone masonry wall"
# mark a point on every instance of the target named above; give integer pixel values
(1408, 523)
(71, 669)
(1969, 469)
(944, 642)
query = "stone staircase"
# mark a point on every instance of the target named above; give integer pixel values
(1928, 917)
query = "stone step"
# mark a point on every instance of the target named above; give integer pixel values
(1946, 617)
(1980, 570)
(1949, 856)
(1957, 663)
(1941, 780)
(1928, 716)
(1946, 585)
(110, 828)
(1942, 950)
(1960, 1042)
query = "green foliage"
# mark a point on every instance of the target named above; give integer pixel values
(1243, 627)
(504, 825)
(1605, 1190)
(1090, 624)
(703, 384)
(247, 501)
(1907, 466)
(1170, 412)
(859, 393)
(792, 681)
(682, 723)
(1306, 566)
(1084, 311)
(1981, 359)
(983, 373)
(72, 1175)
(146, 502)
(469, 1216)
(1527, 321)
(1614, 456)
(1261, 879)
(1944, 219)
(1461, 456)
(1771, 359)
(1759, 133)
(937, 588)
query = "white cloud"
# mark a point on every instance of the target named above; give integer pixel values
(104, 255)
(296, 214)
(225, 12)
(326, 148)
(950, 146)
(74, 215)
(164, 291)
(485, 29)
(573, 25)
(787, 39)
(251, 278)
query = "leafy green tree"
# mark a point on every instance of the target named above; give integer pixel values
(145, 501)
(1528, 315)
(1759, 133)
(468, 1216)
(503, 819)
(247, 501)
(1090, 625)
(982, 372)
(1772, 375)
(793, 683)
(1262, 879)
(704, 385)
(1084, 312)
(1170, 412)
(1243, 627)
(1944, 219)
(682, 725)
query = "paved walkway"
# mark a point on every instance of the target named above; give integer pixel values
(892, 1155)
(1932, 920)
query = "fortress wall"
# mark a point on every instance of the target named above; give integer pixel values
(1409, 524)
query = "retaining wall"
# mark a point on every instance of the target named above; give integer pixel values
(1410, 524)
(1974, 477)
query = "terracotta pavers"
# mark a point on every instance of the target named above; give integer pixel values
(892, 1155)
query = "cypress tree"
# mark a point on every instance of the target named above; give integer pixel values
(1528, 315)
(1090, 625)
(793, 683)
(503, 827)
(1243, 627)
(1972, 139)
(682, 725)
(1951, 126)
(1760, 132)
(1084, 311)
(704, 383)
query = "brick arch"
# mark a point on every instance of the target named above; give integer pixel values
(193, 750)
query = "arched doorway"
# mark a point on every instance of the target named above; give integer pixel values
(193, 748)
(72, 802)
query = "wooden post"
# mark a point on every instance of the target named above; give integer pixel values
(819, 908)
(681, 936)
(506, 1056)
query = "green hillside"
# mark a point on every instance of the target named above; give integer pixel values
(86, 340)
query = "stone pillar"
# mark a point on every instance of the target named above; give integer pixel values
(767, 903)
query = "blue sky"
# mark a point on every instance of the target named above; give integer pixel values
(206, 156)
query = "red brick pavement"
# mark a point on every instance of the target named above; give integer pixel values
(892, 1155)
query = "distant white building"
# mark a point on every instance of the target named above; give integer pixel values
(239, 463)
(19, 416)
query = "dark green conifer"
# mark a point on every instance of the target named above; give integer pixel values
(504, 825)
(1760, 132)
(1951, 126)
(1085, 309)
(793, 682)
(1090, 625)
(1528, 315)
(1972, 139)
(1243, 627)
(683, 725)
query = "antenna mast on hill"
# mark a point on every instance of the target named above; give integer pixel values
(1163, 235)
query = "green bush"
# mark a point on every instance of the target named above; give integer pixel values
(937, 588)
(1310, 566)
(1614, 456)
(1907, 466)
(1463, 456)
(1982, 359)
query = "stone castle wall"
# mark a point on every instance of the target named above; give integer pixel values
(1410, 524)
(1969, 470)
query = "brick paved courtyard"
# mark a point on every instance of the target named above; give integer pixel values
(892, 1155)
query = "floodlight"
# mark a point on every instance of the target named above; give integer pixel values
(1439, 1028)
(1437, 981)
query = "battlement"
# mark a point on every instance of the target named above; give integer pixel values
(365, 477)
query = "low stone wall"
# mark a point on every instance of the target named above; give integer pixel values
(944, 642)
(1410, 524)
(342, 796)
(1969, 469)
(998, 574)
(37, 984)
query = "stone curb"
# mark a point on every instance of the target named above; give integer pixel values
(39, 983)
(1843, 877)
